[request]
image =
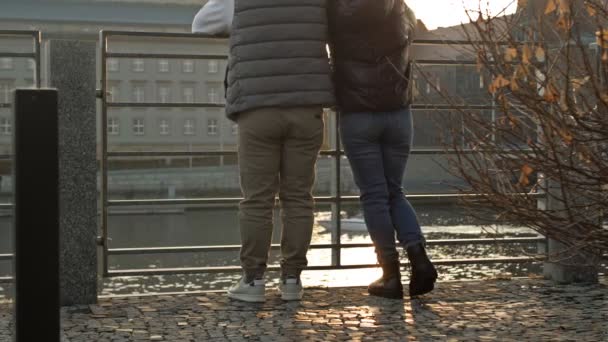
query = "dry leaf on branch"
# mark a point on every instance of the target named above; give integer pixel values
(540, 54)
(499, 82)
(524, 178)
(551, 93)
(526, 53)
(510, 54)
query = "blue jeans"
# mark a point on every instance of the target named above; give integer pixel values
(378, 147)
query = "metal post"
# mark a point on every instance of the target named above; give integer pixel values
(37, 53)
(36, 142)
(336, 254)
(103, 159)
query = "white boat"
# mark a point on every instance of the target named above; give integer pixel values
(348, 225)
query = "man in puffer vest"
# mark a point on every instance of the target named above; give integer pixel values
(278, 83)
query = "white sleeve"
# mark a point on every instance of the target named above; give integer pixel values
(214, 18)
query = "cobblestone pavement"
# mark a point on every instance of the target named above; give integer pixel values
(509, 310)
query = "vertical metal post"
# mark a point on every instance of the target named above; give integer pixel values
(337, 206)
(38, 71)
(104, 154)
(36, 141)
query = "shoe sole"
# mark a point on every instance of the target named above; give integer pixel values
(247, 298)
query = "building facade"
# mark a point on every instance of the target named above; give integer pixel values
(143, 82)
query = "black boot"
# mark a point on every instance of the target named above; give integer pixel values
(389, 286)
(424, 273)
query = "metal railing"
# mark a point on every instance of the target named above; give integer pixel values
(34, 55)
(36, 36)
(335, 200)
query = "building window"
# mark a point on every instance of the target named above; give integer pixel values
(6, 127)
(31, 64)
(428, 87)
(139, 94)
(113, 94)
(481, 81)
(6, 63)
(212, 127)
(138, 126)
(213, 95)
(188, 94)
(213, 66)
(138, 65)
(164, 94)
(113, 126)
(165, 127)
(5, 91)
(189, 127)
(163, 65)
(235, 129)
(188, 66)
(113, 65)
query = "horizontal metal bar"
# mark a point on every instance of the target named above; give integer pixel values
(164, 105)
(6, 105)
(162, 154)
(234, 248)
(231, 269)
(118, 33)
(6, 257)
(134, 154)
(422, 106)
(110, 33)
(6, 206)
(443, 62)
(194, 201)
(320, 200)
(236, 200)
(225, 57)
(33, 34)
(455, 42)
(165, 56)
(18, 54)
(6, 280)
(430, 106)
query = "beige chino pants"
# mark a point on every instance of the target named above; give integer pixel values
(278, 149)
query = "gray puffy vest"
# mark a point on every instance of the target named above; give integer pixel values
(278, 56)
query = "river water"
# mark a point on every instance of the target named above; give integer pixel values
(162, 227)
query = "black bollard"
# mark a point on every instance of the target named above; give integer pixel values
(36, 173)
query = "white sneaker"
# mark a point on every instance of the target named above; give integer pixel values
(291, 289)
(248, 292)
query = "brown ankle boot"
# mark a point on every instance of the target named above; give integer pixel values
(389, 285)
(424, 273)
